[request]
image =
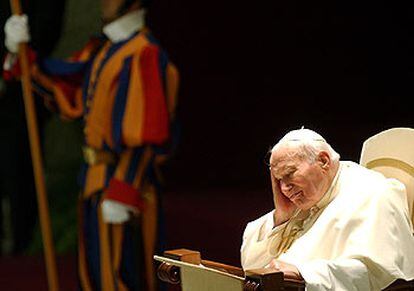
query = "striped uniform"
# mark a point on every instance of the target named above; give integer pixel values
(125, 92)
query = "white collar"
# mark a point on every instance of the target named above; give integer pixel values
(330, 193)
(123, 27)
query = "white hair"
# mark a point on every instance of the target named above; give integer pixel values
(308, 142)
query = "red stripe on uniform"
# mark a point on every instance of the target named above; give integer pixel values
(155, 127)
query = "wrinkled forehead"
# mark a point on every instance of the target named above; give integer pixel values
(284, 156)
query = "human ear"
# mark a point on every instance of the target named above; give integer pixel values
(324, 160)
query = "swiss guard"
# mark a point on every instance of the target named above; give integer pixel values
(124, 87)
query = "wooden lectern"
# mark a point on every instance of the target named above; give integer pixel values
(185, 267)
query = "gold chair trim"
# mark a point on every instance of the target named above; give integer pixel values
(394, 163)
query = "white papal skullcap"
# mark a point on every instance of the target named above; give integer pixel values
(302, 134)
(391, 152)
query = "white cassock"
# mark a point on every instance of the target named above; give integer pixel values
(360, 238)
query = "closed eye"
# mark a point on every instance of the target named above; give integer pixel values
(289, 175)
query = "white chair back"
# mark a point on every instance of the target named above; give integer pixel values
(391, 152)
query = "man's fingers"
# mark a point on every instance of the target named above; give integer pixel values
(274, 264)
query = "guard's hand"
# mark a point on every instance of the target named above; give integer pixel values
(289, 271)
(115, 212)
(284, 207)
(16, 31)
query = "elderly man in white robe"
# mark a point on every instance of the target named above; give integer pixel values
(337, 225)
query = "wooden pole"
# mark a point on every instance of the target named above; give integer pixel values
(31, 120)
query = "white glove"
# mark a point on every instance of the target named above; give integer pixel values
(115, 212)
(16, 31)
